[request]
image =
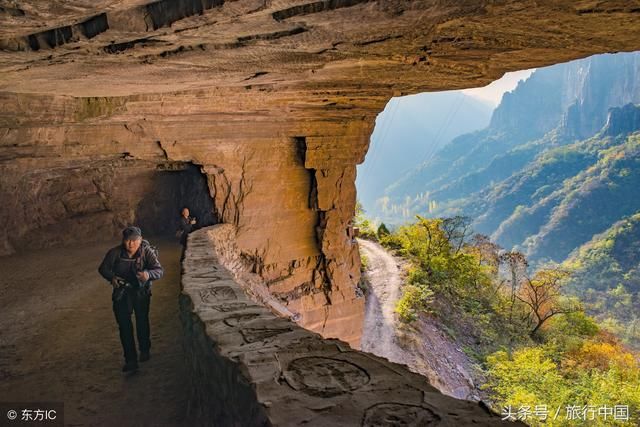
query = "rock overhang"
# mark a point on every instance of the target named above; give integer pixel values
(274, 101)
(112, 48)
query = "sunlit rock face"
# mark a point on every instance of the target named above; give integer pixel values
(272, 101)
(287, 185)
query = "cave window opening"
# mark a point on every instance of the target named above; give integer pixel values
(410, 132)
(175, 185)
(547, 182)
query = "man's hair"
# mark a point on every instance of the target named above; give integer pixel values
(131, 233)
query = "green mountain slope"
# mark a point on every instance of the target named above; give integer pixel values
(606, 275)
(587, 203)
(529, 179)
(414, 123)
(530, 111)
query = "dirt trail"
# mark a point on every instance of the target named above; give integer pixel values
(384, 280)
(59, 340)
(423, 346)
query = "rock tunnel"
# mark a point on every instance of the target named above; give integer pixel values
(111, 110)
(173, 187)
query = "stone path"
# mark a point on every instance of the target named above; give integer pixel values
(59, 341)
(422, 346)
(383, 278)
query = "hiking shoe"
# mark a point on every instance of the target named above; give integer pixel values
(130, 366)
(144, 356)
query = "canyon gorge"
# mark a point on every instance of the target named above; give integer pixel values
(256, 112)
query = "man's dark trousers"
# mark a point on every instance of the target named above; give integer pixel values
(138, 301)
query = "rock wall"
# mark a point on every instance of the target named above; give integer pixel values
(290, 197)
(250, 367)
(274, 102)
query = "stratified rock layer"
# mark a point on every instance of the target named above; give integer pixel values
(291, 198)
(274, 101)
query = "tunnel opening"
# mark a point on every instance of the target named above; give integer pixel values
(93, 202)
(176, 185)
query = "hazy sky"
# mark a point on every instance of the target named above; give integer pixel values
(492, 93)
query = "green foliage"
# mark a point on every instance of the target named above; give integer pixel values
(436, 247)
(460, 272)
(391, 241)
(364, 262)
(547, 197)
(382, 231)
(597, 374)
(538, 345)
(570, 330)
(414, 299)
(527, 377)
(607, 276)
(364, 225)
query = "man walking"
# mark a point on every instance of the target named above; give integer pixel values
(130, 268)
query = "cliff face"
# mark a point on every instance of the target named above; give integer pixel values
(570, 99)
(599, 84)
(102, 102)
(622, 120)
(291, 197)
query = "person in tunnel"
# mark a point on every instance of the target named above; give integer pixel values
(130, 268)
(186, 225)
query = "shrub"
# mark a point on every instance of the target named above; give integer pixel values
(414, 300)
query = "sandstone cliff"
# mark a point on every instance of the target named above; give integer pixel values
(273, 101)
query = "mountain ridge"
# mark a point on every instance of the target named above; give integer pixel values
(546, 131)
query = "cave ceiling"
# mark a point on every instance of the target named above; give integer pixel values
(126, 47)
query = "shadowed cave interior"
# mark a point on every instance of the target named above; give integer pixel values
(175, 185)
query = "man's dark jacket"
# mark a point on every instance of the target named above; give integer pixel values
(116, 263)
(185, 227)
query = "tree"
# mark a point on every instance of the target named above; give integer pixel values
(543, 296)
(436, 241)
(516, 264)
(457, 230)
(526, 377)
(364, 226)
(414, 300)
(488, 253)
(382, 231)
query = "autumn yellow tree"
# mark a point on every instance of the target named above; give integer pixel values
(543, 296)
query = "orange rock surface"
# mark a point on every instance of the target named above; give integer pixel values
(274, 101)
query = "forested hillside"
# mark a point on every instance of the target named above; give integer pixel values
(409, 129)
(536, 345)
(557, 164)
(556, 177)
(606, 276)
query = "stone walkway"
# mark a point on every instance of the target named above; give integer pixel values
(59, 341)
(253, 368)
(243, 366)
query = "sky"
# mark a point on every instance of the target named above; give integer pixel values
(492, 93)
